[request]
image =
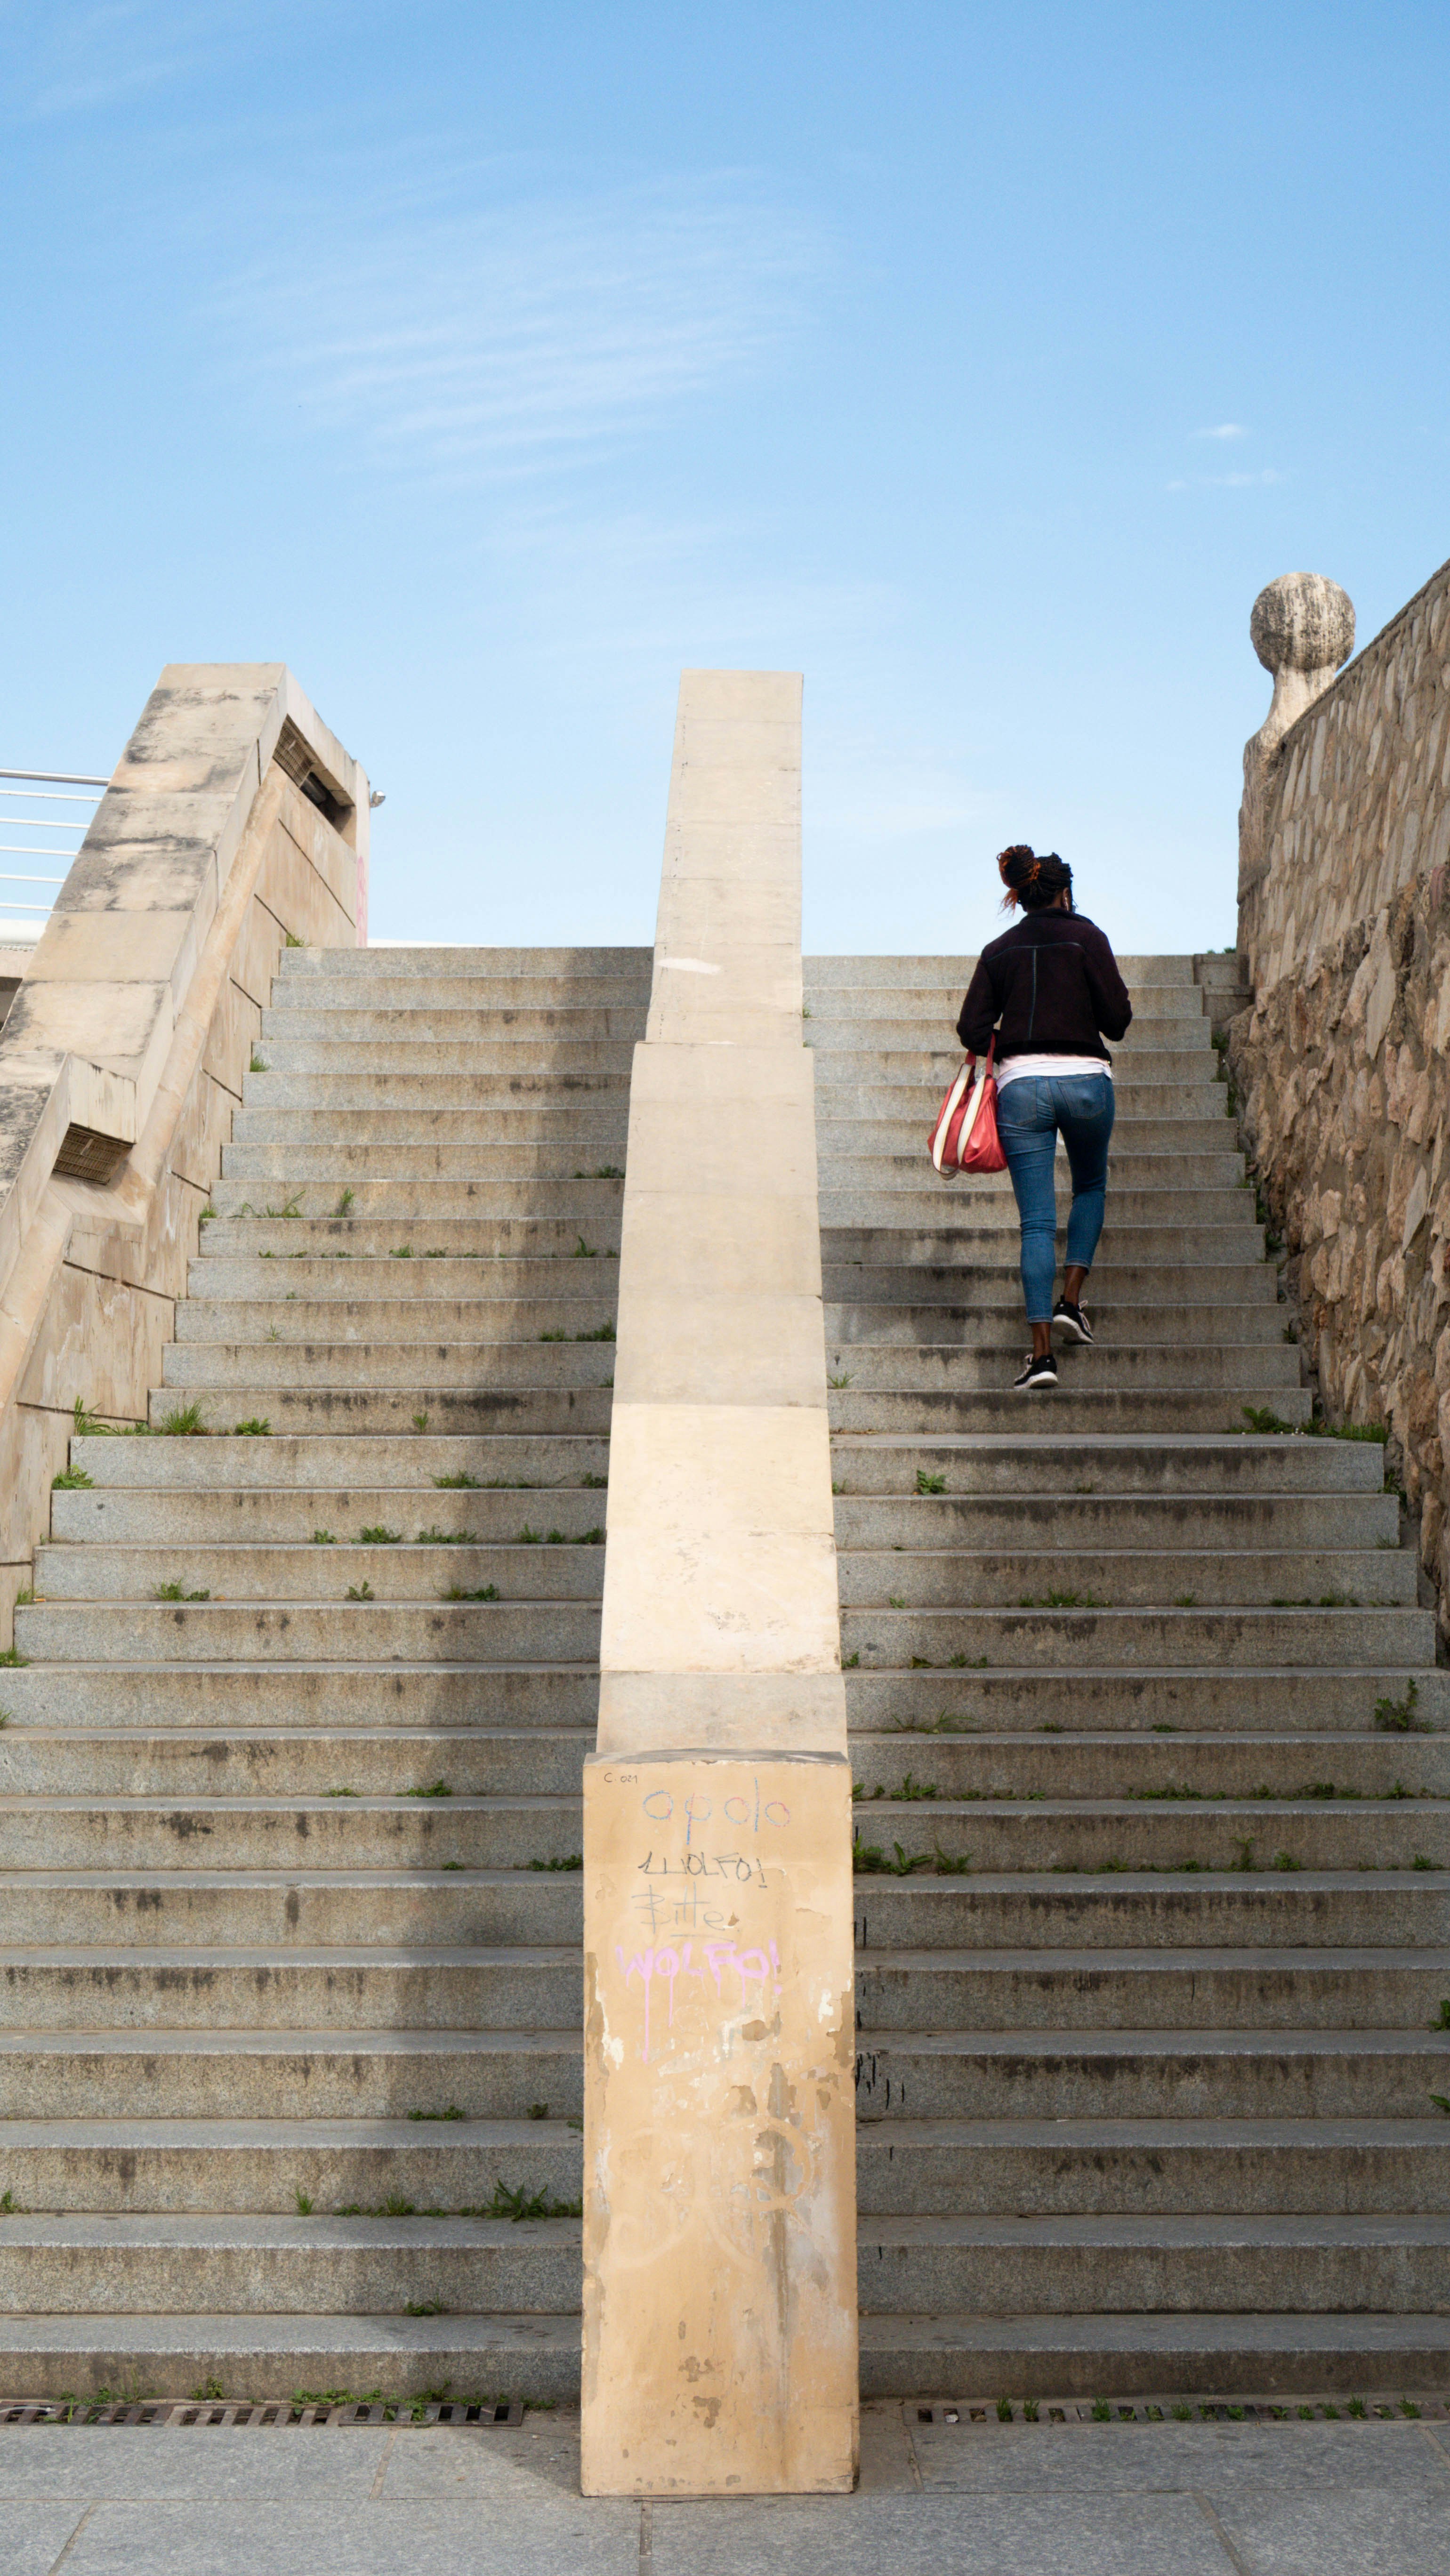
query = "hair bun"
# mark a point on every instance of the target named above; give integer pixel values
(1030, 879)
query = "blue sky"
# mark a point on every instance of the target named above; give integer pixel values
(490, 364)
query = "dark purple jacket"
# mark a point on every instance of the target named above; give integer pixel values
(1049, 986)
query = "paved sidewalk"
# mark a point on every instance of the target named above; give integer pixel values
(1347, 2499)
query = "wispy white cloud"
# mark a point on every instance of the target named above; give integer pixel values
(1225, 429)
(69, 61)
(496, 340)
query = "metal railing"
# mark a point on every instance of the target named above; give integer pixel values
(22, 919)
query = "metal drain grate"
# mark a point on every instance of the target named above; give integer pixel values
(277, 2414)
(1182, 2410)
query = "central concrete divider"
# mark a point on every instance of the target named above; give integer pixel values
(720, 2351)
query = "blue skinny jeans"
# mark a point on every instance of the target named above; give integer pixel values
(1030, 1117)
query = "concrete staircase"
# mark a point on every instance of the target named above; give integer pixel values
(1152, 1905)
(289, 1904)
(1150, 1965)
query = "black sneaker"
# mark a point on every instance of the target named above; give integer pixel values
(1073, 1320)
(1037, 1373)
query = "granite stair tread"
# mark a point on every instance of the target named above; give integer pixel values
(308, 1857)
(1123, 1663)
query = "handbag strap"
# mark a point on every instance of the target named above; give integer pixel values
(991, 1051)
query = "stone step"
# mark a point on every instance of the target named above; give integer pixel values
(433, 1828)
(1024, 1698)
(345, 1013)
(990, 1278)
(354, 1412)
(505, 1280)
(510, 1460)
(1039, 2167)
(325, 2071)
(388, 1362)
(288, 1907)
(1134, 1166)
(173, 2264)
(1321, 1909)
(376, 1631)
(282, 1514)
(1074, 1573)
(953, 974)
(531, 1169)
(533, 2357)
(997, 1325)
(1063, 1522)
(1075, 1407)
(1162, 2265)
(310, 966)
(930, 1001)
(980, 2356)
(135, 2164)
(423, 1832)
(567, 1570)
(538, 1100)
(1165, 2168)
(537, 1041)
(435, 1320)
(440, 1238)
(1048, 1637)
(911, 1107)
(1175, 1053)
(400, 986)
(557, 1203)
(339, 1695)
(947, 974)
(288, 1117)
(901, 1133)
(517, 1066)
(912, 1032)
(177, 1761)
(1108, 1766)
(958, 1244)
(1039, 1458)
(991, 1361)
(1089, 1835)
(190, 1762)
(922, 1202)
(1204, 2072)
(897, 1039)
(265, 2264)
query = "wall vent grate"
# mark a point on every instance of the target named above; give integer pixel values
(86, 1155)
(988, 2412)
(293, 757)
(275, 2414)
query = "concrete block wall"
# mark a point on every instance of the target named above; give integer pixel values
(124, 1048)
(720, 2340)
(1340, 1065)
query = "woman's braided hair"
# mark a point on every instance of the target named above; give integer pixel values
(1033, 878)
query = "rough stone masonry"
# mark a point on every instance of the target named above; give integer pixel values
(1340, 1063)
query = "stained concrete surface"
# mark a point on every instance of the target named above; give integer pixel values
(1346, 2499)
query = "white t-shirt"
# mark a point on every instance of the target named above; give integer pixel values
(1049, 1068)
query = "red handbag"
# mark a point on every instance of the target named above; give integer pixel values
(965, 1137)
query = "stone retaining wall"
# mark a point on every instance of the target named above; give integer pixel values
(122, 1055)
(1340, 1065)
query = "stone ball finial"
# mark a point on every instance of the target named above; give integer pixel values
(1302, 629)
(1302, 622)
